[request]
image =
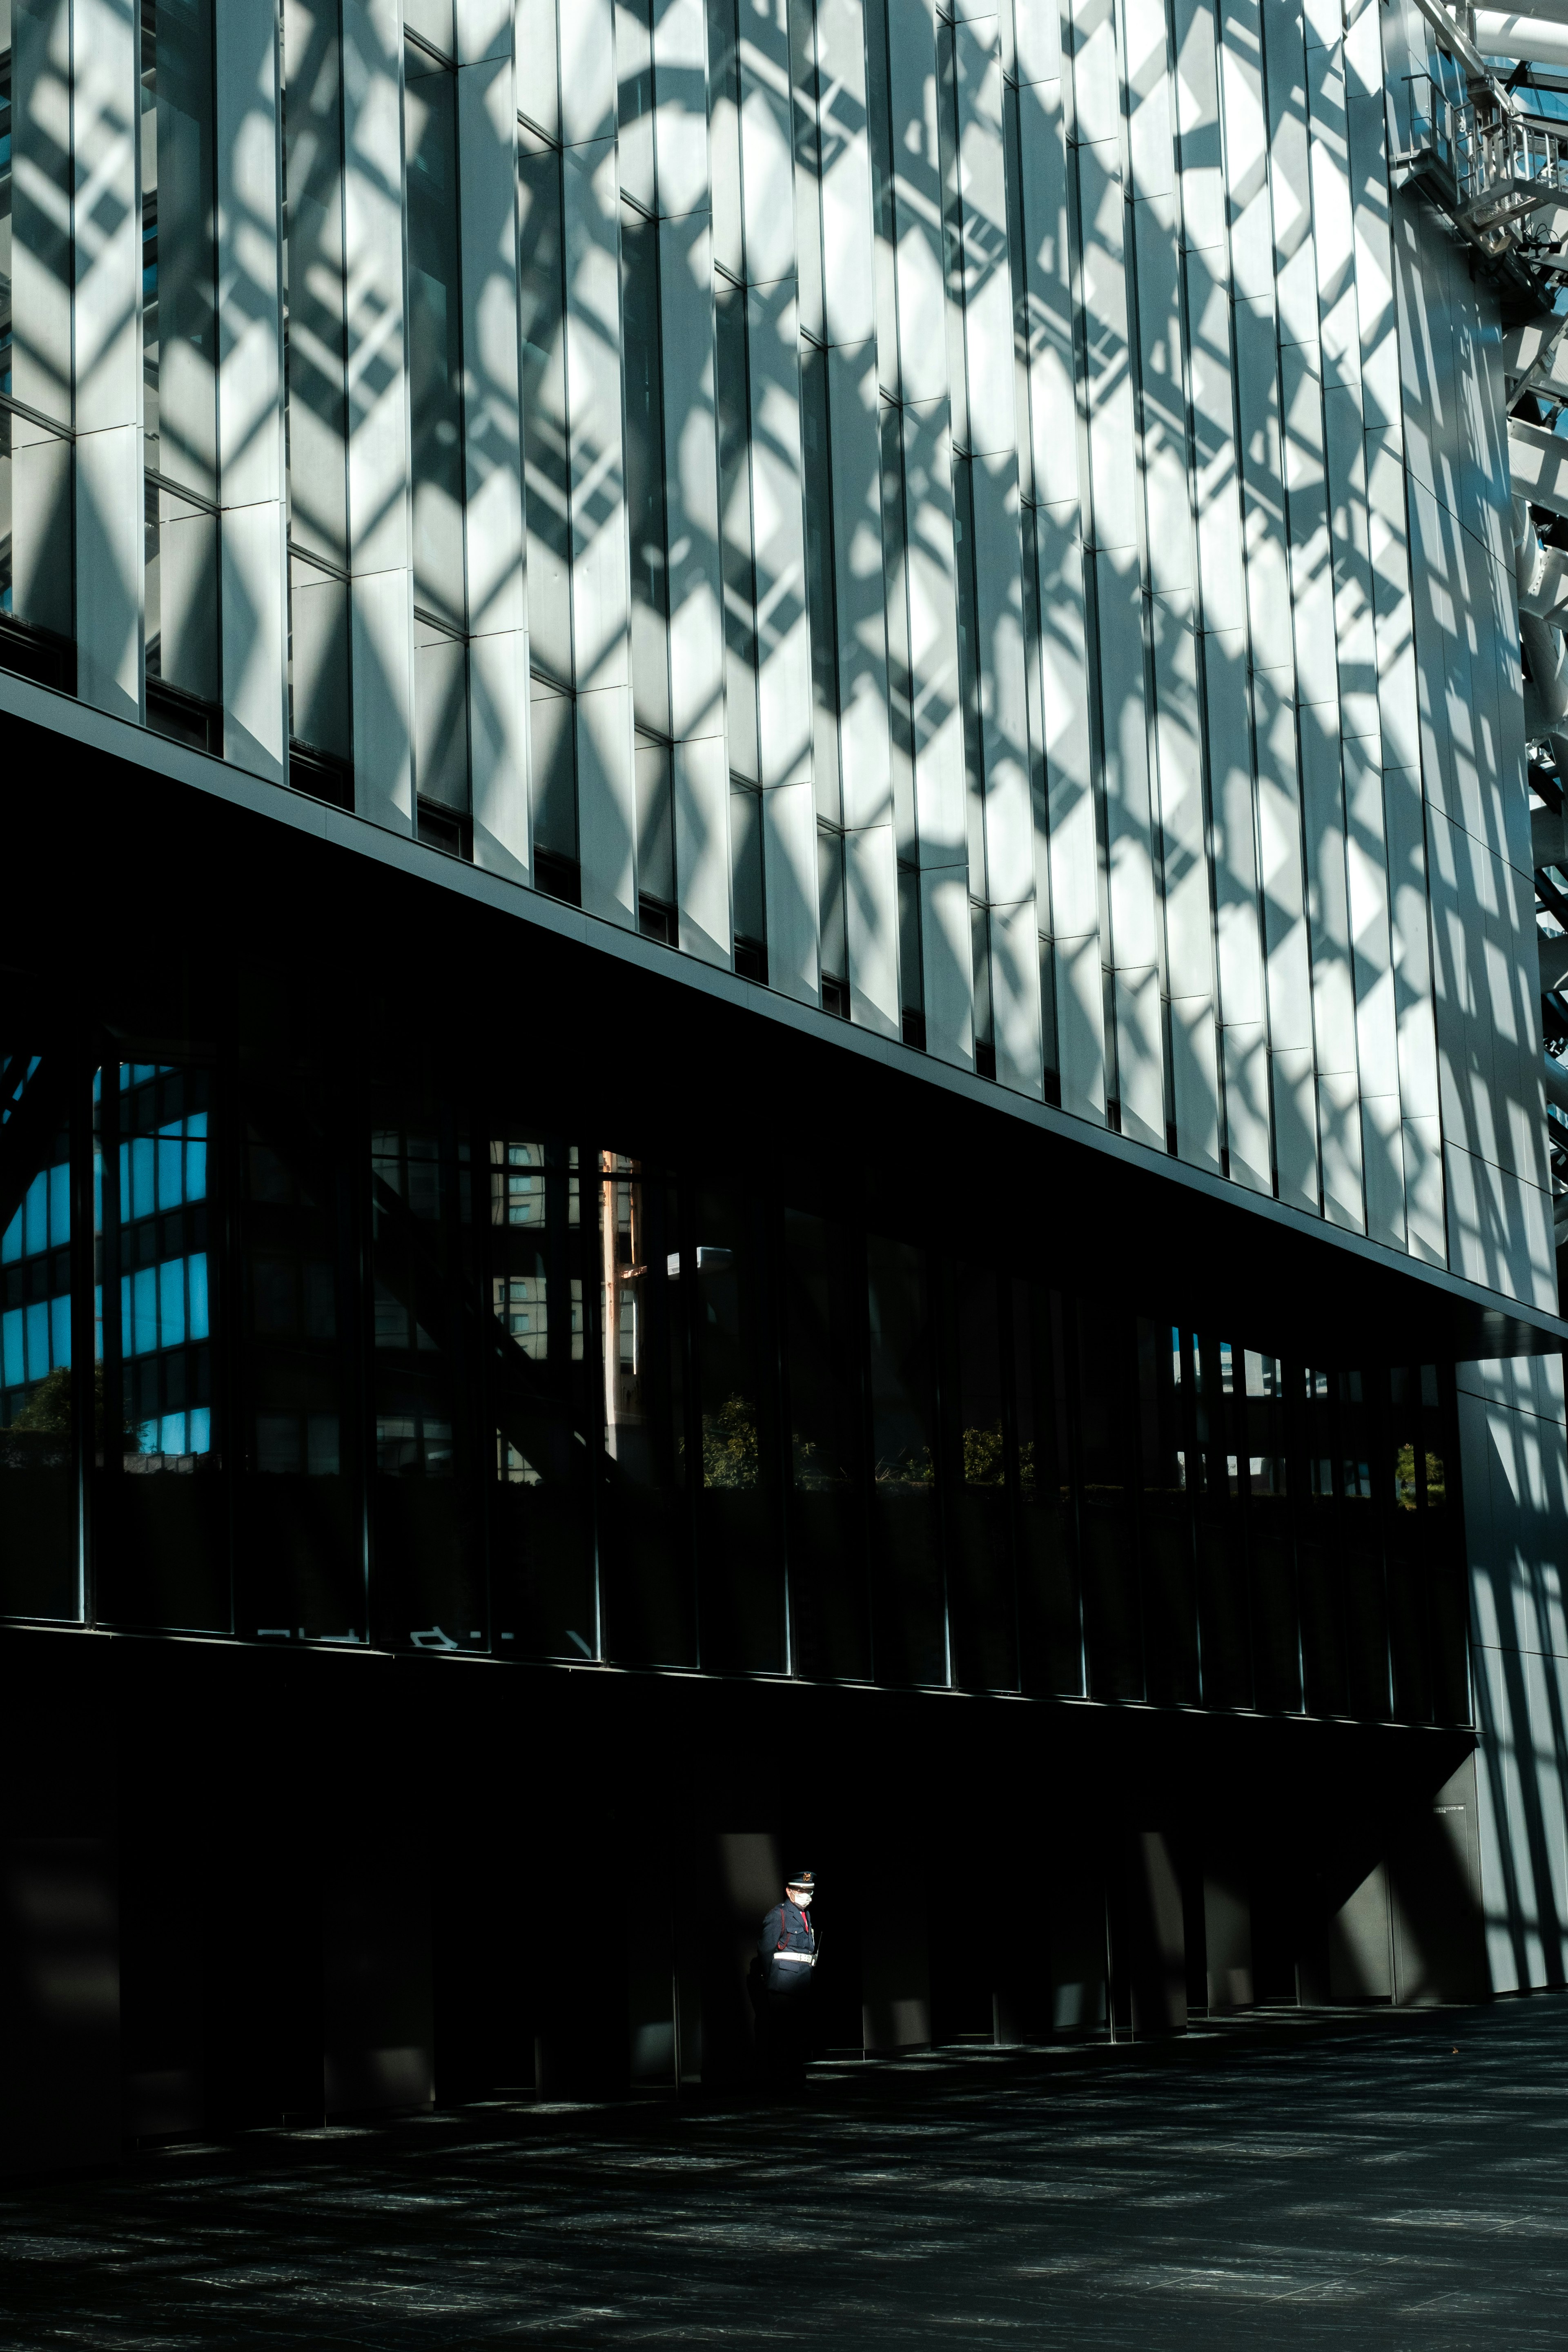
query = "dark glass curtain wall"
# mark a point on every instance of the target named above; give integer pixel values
(300, 1356)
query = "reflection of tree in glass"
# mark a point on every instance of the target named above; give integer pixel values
(48, 1412)
(984, 1459)
(1405, 1480)
(729, 1445)
(912, 1467)
(814, 1469)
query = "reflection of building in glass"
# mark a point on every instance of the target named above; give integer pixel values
(773, 1010)
(165, 1317)
(35, 1267)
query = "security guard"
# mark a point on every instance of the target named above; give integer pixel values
(787, 1949)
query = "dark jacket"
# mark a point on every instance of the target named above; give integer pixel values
(786, 1930)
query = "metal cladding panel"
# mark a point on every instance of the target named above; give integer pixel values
(109, 524)
(789, 870)
(492, 514)
(783, 630)
(920, 372)
(1129, 838)
(872, 921)
(498, 752)
(937, 713)
(1049, 305)
(702, 791)
(860, 588)
(1003, 716)
(695, 585)
(380, 465)
(1214, 717)
(253, 596)
(1162, 406)
(1333, 986)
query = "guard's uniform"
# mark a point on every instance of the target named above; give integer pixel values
(787, 1946)
(787, 1949)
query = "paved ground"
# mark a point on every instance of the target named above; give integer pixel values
(1403, 2187)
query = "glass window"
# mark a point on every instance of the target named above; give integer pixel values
(1169, 1599)
(429, 1583)
(162, 1529)
(1318, 1564)
(299, 1525)
(1276, 1644)
(909, 1605)
(1406, 1563)
(825, 1346)
(1113, 1630)
(38, 1575)
(645, 1539)
(1362, 1535)
(740, 1561)
(543, 1570)
(1050, 1622)
(1223, 1616)
(982, 1604)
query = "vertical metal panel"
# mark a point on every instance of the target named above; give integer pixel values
(1074, 832)
(107, 328)
(586, 36)
(920, 274)
(864, 744)
(254, 594)
(1377, 1042)
(767, 149)
(379, 459)
(783, 681)
(987, 288)
(493, 540)
(937, 726)
(696, 593)
(848, 288)
(865, 761)
(1108, 384)
(789, 866)
(1188, 901)
(680, 107)
(538, 63)
(1052, 328)
(601, 573)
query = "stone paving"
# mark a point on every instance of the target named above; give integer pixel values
(1397, 2183)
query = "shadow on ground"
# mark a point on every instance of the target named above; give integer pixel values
(1397, 2183)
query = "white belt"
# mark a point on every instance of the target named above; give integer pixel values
(805, 1958)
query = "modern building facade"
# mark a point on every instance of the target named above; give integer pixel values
(775, 1051)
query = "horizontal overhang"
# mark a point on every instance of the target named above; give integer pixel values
(675, 1057)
